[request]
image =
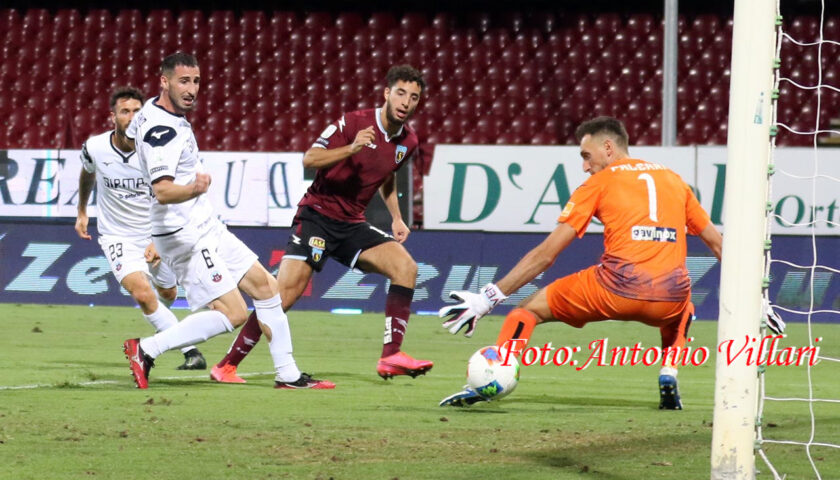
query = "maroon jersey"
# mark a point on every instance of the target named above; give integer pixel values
(343, 191)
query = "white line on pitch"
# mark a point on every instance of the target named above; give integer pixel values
(114, 382)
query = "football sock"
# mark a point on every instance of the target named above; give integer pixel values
(397, 311)
(668, 371)
(163, 318)
(519, 324)
(271, 315)
(248, 337)
(196, 328)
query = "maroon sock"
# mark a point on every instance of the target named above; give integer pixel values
(248, 336)
(397, 311)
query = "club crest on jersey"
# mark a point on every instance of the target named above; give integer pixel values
(401, 151)
(118, 266)
(217, 277)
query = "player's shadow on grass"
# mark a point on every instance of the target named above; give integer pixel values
(556, 459)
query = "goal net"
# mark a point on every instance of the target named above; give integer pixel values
(789, 416)
(797, 418)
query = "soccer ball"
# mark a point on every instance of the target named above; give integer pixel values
(488, 376)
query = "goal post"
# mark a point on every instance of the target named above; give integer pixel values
(745, 232)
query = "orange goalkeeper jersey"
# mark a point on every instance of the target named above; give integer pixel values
(646, 210)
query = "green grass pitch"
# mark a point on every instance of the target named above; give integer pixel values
(69, 410)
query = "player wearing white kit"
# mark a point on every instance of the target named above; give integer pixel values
(209, 262)
(123, 202)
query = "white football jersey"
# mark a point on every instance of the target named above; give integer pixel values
(123, 198)
(166, 147)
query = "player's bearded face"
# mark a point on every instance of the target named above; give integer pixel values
(123, 112)
(182, 88)
(400, 101)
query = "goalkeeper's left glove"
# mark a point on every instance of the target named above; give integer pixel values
(774, 321)
(473, 306)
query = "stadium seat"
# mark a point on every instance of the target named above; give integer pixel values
(317, 22)
(128, 20)
(220, 21)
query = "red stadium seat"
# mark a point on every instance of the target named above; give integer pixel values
(190, 21)
(413, 22)
(317, 22)
(441, 22)
(607, 24)
(284, 22)
(35, 20)
(158, 21)
(348, 23)
(252, 21)
(543, 138)
(128, 20)
(220, 21)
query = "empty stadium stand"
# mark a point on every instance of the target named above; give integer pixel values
(273, 80)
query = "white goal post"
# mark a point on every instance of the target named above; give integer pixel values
(745, 227)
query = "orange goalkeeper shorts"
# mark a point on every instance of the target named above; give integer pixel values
(579, 298)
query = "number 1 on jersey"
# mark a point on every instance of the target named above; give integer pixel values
(651, 187)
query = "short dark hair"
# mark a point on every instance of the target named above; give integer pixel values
(405, 73)
(126, 92)
(167, 66)
(609, 125)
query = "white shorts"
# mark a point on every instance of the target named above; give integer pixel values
(125, 255)
(208, 260)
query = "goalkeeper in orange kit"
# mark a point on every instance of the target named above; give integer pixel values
(647, 210)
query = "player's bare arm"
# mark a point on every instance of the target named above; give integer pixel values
(713, 239)
(317, 157)
(86, 182)
(168, 191)
(388, 191)
(538, 259)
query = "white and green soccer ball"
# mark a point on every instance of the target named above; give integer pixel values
(492, 373)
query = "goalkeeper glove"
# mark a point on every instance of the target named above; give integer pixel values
(473, 306)
(774, 321)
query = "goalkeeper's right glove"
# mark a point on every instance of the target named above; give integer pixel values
(473, 306)
(774, 321)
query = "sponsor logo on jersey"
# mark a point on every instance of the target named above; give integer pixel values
(654, 234)
(159, 136)
(158, 169)
(125, 183)
(401, 151)
(567, 210)
(317, 242)
(118, 266)
(217, 277)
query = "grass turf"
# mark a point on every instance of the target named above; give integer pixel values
(68, 408)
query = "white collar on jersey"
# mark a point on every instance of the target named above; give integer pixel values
(382, 127)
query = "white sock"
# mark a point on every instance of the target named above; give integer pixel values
(163, 318)
(196, 328)
(668, 371)
(270, 313)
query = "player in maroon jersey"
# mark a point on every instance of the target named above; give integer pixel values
(355, 156)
